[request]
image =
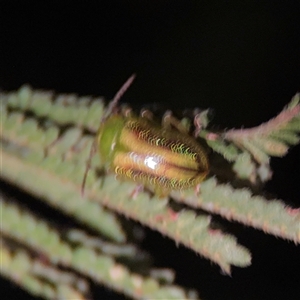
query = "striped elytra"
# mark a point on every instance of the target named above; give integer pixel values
(160, 159)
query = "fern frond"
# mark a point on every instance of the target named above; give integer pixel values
(272, 138)
(37, 236)
(271, 216)
(38, 278)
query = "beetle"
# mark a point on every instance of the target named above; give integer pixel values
(160, 158)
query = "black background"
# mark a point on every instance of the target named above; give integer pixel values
(241, 58)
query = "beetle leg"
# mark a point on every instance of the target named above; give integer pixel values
(146, 113)
(127, 111)
(169, 120)
(88, 165)
(197, 189)
(198, 125)
(201, 120)
(139, 188)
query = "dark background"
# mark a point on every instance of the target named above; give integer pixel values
(241, 58)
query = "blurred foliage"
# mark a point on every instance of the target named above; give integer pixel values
(45, 141)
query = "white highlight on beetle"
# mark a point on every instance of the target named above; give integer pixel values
(149, 161)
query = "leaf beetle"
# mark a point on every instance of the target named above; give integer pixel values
(159, 158)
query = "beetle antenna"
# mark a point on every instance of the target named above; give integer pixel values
(88, 166)
(117, 97)
(108, 111)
